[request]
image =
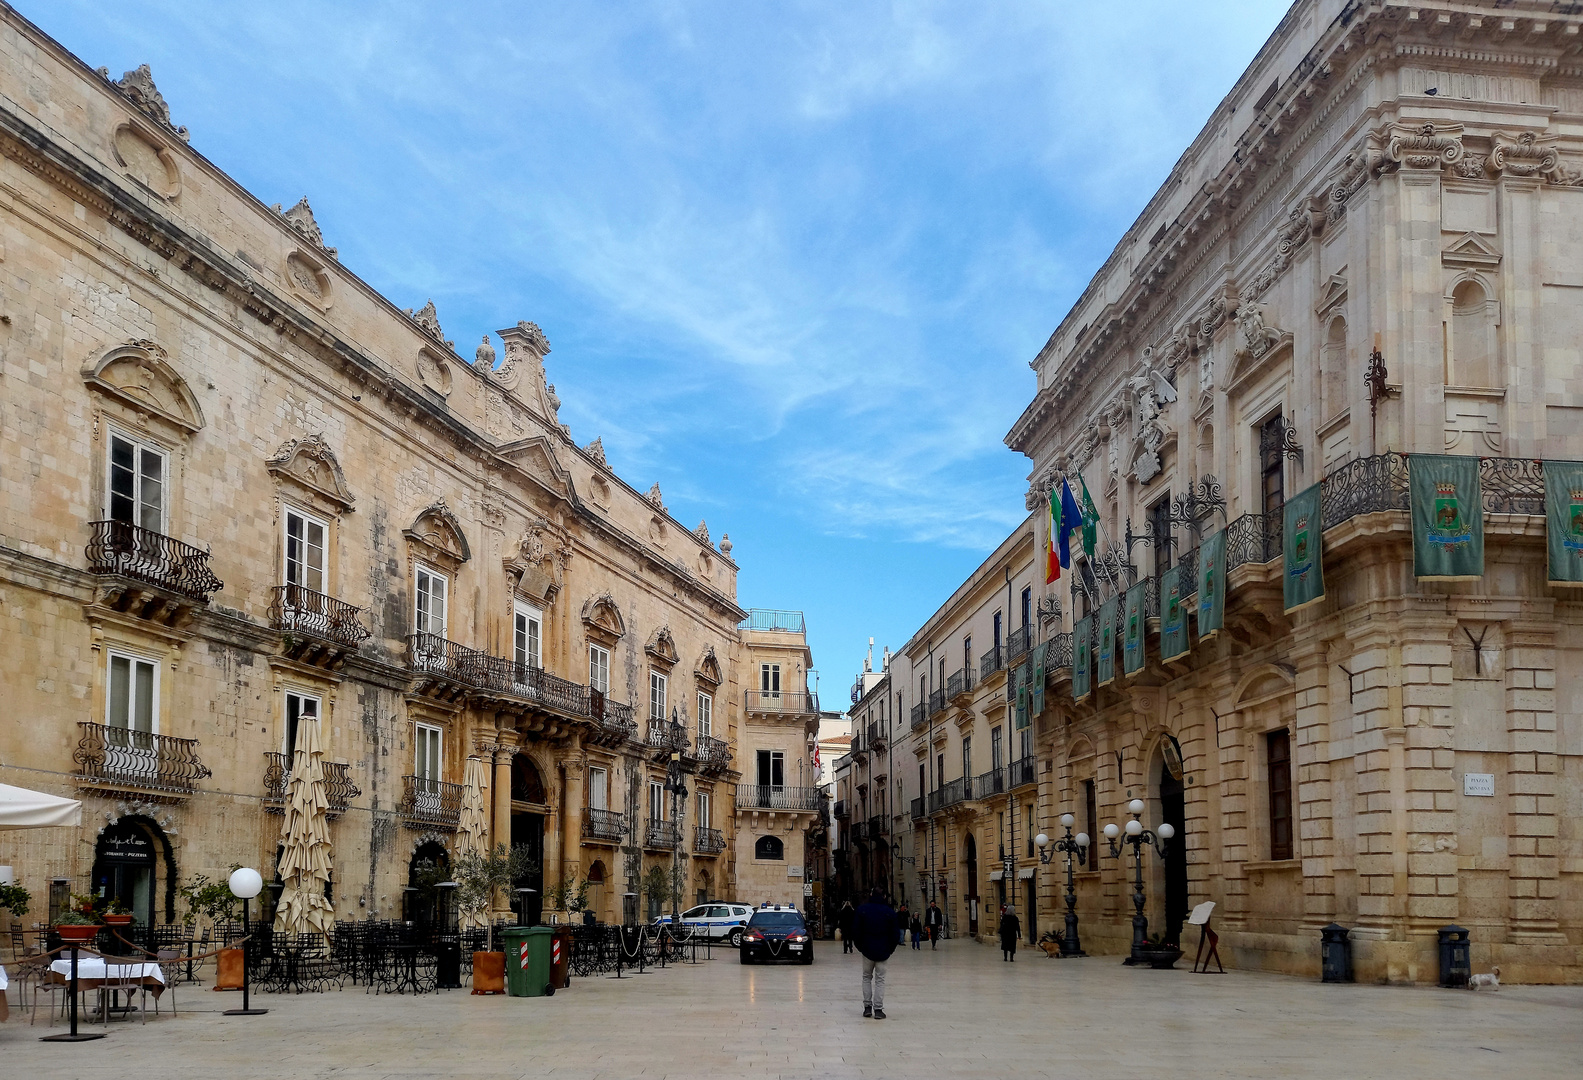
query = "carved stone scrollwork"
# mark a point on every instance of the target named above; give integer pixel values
(538, 564)
(428, 320)
(1525, 154)
(138, 88)
(1424, 146)
(596, 450)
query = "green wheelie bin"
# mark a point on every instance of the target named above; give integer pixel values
(528, 960)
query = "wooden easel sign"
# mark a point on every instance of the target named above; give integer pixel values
(1206, 937)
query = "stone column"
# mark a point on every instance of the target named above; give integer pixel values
(1533, 881)
(1377, 755)
(505, 748)
(1234, 818)
(1197, 739)
(1313, 811)
(572, 808)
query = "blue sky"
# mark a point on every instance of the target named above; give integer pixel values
(793, 258)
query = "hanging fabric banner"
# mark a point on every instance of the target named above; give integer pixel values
(1083, 658)
(1448, 517)
(1564, 521)
(1212, 585)
(1022, 679)
(1173, 616)
(1304, 577)
(1105, 651)
(1133, 630)
(1036, 692)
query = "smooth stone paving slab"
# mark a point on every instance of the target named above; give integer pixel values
(957, 1012)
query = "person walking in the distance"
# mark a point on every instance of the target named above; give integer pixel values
(1010, 931)
(917, 932)
(903, 923)
(875, 930)
(844, 923)
(933, 923)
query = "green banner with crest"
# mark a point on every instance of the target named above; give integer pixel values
(1173, 616)
(1036, 691)
(1133, 631)
(1105, 651)
(1212, 585)
(1083, 658)
(1303, 571)
(1448, 517)
(1564, 521)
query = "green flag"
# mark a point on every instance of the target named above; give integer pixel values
(1036, 693)
(1173, 616)
(1304, 577)
(1212, 585)
(1090, 522)
(1105, 652)
(1448, 517)
(1133, 630)
(1083, 658)
(1020, 678)
(1564, 521)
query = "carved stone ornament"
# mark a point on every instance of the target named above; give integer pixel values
(307, 277)
(1424, 146)
(708, 669)
(725, 544)
(434, 372)
(437, 531)
(300, 217)
(702, 532)
(1257, 336)
(655, 499)
(1525, 154)
(1083, 450)
(484, 355)
(526, 348)
(310, 462)
(662, 647)
(138, 88)
(428, 321)
(1566, 175)
(602, 618)
(596, 450)
(144, 156)
(1471, 167)
(539, 562)
(139, 376)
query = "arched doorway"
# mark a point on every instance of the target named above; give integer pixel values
(1173, 809)
(596, 889)
(430, 865)
(970, 885)
(126, 868)
(527, 830)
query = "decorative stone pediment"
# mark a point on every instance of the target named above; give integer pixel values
(1471, 250)
(596, 450)
(662, 648)
(438, 536)
(708, 669)
(1331, 294)
(1258, 343)
(310, 463)
(428, 320)
(1268, 682)
(538, 565)
(522, 371)
(138, 88)
(300, 218)
(535, 458)
(602, 619)
(137, 375)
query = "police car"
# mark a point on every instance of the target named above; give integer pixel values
(717, 922)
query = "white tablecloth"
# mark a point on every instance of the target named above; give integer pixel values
(3, 981)
(91, 967)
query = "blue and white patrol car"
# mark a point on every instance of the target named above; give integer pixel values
(717, 922)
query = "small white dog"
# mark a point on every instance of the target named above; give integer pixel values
(1492, 981)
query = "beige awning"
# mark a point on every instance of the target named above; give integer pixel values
(21, 808)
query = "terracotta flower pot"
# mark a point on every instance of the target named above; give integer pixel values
(489, 973)
(78, 934)
(117, 920)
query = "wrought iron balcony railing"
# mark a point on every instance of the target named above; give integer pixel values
(790, 622)
(961, 683)
(708, 841)
(878, 827)
(1252, 538)
(991, 662)
(339, 791)
(502, 676)
(987, 785)
(126, 759)
(612, 716)
(661, 834)
(917, 808)
(434, 655)
(432, 804)
(124, 549)
(607, 825)
(948, 794)
(936, 702)
(841, 809)
(1018, 642)
(1060, 654)
(920, 715)
(296, 610)
(787, 702)
(878, 735)
(772, 797)
(713, 753)
(663, 735)
(859, 832)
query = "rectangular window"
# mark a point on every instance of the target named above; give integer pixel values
(939, 769)
(1160, 525)
(703, 810)
(598, 789)
(137, 484)
(656, 696)
(527, 628)
(997, 752)
(997, 631)
(1025, 745)
(967, 653)
(770, 680)
(1091, 814)
(432, 589)
(1028, 822)
(772, 768)
(298, 707)
(656, 801)
(133, 700)
(1272, 484)
(426, 754)
(923, 689)
(1278, 747)
(1027, 610)
(967, 757)
(706, 714)
(923, 780)
(305, 562)
(599, 668)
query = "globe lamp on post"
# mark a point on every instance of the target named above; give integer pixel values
(245, 884)
(1137, 836)
(1071, 845)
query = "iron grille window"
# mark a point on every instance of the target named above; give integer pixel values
(1279, 755)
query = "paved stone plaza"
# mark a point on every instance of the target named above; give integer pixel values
(958, 1012)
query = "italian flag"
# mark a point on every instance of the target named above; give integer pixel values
(1052, 560)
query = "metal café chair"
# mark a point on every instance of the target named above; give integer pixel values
(169, 961)
(122, 975)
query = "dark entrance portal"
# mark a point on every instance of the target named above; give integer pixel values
(123, 870)
(527, 830)
(970, 888)
(1173, 810)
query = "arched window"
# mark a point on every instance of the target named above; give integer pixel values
(1333, 369)
(1472, 337)
(769, 847)
(526, 784)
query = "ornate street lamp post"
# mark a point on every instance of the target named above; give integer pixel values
(675, 783)
(1138, 836)
(1071, 845)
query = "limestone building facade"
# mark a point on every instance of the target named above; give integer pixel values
(1372, 251)
(242, 490)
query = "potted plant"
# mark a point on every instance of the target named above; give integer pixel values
(566, 898)
(76, 925)
(115, 913)
(478, 876)
(15, 899)
(1158, 953)
(208, 899)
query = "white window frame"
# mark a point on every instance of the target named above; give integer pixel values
(774, 756)
(706, 713)
(286, 540)
(139, 447)
(599, 668)
(703, 809)
(770, 681)
(598, 788)
(288, 726)
(527, 634)
(433, 765)
(133, 660)
(658, 693)
(425, 625)
(656, 800)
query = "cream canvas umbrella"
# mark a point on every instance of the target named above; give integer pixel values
(473, 828)
(305, 840)
(21, 808)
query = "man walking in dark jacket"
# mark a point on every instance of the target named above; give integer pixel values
(874, 929)
(933, 923)
(844, 921)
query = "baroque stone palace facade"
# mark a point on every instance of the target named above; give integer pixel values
(242, 489)
(1408, 753)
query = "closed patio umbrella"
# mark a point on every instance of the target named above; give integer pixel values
(24, 809)
(473, 827)
(305, 839)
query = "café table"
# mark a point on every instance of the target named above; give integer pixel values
(5, 1009)
(93, 972)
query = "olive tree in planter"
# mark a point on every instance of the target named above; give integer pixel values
(569, 896)
(478, 874)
